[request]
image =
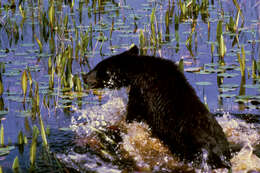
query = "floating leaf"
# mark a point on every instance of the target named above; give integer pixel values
(210, 70)
(227, 95)
(203, 83)
(229, 86)
(3, 153)
(65, 129)
(7, 148)
(193, 69)
(252, 86)
(227, 75)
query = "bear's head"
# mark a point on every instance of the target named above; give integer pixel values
(112, 72)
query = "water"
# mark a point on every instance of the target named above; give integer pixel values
(95, 30)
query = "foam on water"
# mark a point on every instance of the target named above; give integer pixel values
(149, 153)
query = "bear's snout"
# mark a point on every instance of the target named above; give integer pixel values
(90, 79)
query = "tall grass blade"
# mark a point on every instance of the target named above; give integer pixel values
(51, 14)
(141, 41)
(24, 82)
(16, 166)
(20, 138)
(181, 65)
(222, 47)
(212, 48)
(237, 19)
(2, 135)
(241, 62)
(1, 85)
(254, 69)
(22, 11)
(43, 134)
(35, 133)
(33, 153)
(29, 77)
(152, 23)
(219, 30)
(39, 43)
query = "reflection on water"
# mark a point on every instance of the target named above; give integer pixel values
(146, 152)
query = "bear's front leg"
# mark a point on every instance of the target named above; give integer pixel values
(136, 107)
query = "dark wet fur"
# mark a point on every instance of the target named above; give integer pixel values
(161, 96)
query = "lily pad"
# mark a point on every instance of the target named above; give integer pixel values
(3, 112)
(227, 95)
(25, 114)
(21, 54)
(4, 153)
(27, 45)
(241, 101)
(210, 70)
(211, 65)
(252, 86)
(3, 55)
(203, 83)
(226, 89)
(18, 99)
(228, 75)
(229, 86)
(6, 150)
(193, 69)
(65, 129)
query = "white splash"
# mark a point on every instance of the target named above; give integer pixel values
(98, 117)
(149, 153)
(238, 131)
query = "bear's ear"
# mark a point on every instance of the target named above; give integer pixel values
(132, 51)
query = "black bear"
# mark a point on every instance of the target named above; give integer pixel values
(161, 96)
